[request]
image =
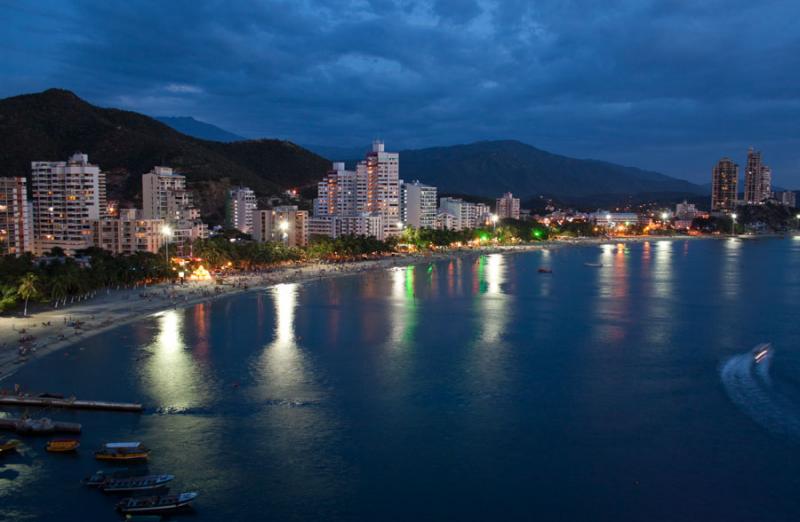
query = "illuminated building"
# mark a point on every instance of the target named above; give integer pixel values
(787, 198)
(508, 206)
(465, 215)
(615, 219)
(164, 196)
(757, 179)
(360, 200)
(128, 233)
(16, 236)
(724, 183)
(284, 224)
(418, 205)
(239, 208)
(66, 195)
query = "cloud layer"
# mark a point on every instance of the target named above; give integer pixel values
(669, 86)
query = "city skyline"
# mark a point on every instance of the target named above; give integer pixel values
(561, 77)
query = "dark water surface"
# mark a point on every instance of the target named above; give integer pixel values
(471, 389)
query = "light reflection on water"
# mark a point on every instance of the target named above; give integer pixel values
(376, 397)
(172, 376)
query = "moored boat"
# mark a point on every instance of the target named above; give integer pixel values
(104, 475)
(9, 447)
(545, 271)
(62, 445)
(122, 452)
(143, 483)
(156, 504)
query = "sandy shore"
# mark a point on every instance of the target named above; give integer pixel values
(55, 329)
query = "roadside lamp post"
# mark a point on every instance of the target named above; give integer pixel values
(166, 231)
(733, 223)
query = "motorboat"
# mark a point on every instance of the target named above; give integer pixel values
(143, 483)
(9, 447)
(156, 504)
(62, 445)
(122, 452)
(762, 352)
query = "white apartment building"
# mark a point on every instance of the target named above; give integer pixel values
(285, 224)
(16, 226)
(465, 215)
(239, 208)
(364, 224)
(66, 196)
(381, 170)
(418, 205)
(611, 219)
(360, 199)
(128, 233)
(164, 196)
(508, 206)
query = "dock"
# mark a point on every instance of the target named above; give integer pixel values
(75, 404)
(39, 426)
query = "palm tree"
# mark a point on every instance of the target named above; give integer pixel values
(27, 289)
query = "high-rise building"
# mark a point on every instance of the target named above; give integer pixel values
(786, 198)
(360, 200)
(686, 211)
(341, 192)
(418, 205)
(757, 179)
(164, 196)
(128, 232)
(239, 209)
(508, 206)
(724, 183)
(16, 235)
(381, 170)
(285, 224)
(66, 195)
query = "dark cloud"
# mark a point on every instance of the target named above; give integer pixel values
(669, 85)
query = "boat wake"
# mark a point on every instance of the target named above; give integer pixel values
(749, 386)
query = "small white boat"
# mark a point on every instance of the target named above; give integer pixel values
(157, 504)
(761, 352)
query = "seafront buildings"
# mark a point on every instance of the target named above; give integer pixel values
(757, 179)
(239, 208)
(418, 205)
(284, 224)
(165, 197)
(66, 196)
(457, 214)
(507, 206)
(16, 232)
(724, 184)
(128, 232)
(368, 200)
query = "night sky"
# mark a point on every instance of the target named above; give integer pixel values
(669, 86)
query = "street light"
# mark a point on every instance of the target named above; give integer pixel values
(283, 225)
(733, 222)
(166, 231)
(798, 220)
(664, 216)
(495, 218)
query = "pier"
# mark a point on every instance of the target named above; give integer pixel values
(53, 402)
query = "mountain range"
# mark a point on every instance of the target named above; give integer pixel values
(51, 125)
(199, 129)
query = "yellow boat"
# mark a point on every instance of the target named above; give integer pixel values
(62, 445)
(9, 447)
(122, 452)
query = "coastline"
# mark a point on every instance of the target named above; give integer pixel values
(52, 331)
